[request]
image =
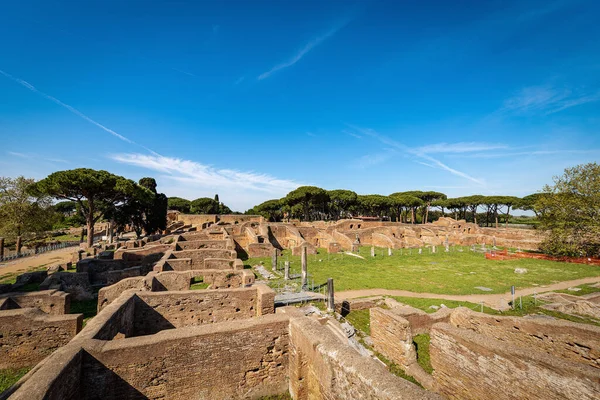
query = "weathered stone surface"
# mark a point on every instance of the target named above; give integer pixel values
(468, 365)
(392, 336)
(78, 284)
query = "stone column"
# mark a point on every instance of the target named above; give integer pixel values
(1, 248)
(110, 231)
(304, 268)
(274, 260)
(389, 251)
(19, 245)
(287, 271)
(433, 249)
(330, 298)
(372, 251)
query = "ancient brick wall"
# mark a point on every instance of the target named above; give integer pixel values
(468, 365)
(28, 335)
(392, 336)
(49, 301)
(576, 342)
(202, 244)
(420, 321)
(322, 367)
(197, 257)
(155, 311)
(234, 360)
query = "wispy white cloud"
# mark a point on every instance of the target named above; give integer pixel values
(184, 72)
(31, 156)
(354, 135)
(369, 160)
(432, 162)
(70, 108)
(547, 99)
(304, 50)
(528, 153)
(206, 176)
(311, 134)
(461, 147)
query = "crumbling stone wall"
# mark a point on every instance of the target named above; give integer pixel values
(155, 311)
(468, 365)
(392, 336)
(194, 259)
(49, 301)
(202, 244)
(576, 342)
(241, 359)
(321, 367)
(28, 335)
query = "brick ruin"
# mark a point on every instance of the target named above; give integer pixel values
(257, 238)
(477, 356)
(154, 338)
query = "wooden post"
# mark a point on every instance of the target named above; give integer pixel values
(330, 297)
(1, 248)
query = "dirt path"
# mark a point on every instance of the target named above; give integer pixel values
(46, 259)
(491, 300)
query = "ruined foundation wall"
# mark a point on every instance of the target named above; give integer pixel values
(392, 336)
(322, 367)
(202, 244)
(232, 360)
(29, 335)
(576, 342)
(167, 310)
(49, 301)
(468, 365)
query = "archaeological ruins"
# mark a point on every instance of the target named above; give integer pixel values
(157, 336)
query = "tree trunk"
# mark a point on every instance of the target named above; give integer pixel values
(90, 232)
(426, 213)
(412, 215)
(507, 217)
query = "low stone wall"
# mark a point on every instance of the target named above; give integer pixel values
(98, 270)
(175, 281)
(202, 244)
(115, 276)
(28, 335)
(197, 258)
(322, 367)
(259, 249)
(575, 342)
(468, 365)
(241, 359)
(141, 255)
(166, 310)
(49, 301)
(420, 321)
(392, 337)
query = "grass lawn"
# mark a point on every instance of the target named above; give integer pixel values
(9, 377)
(585, 289)
(454, 272)
(198, 284)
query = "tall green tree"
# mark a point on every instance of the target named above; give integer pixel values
(572, 212)
(100, 190)
(179, 204)
(204, 205)
(312, 199)
(340, 202)
(21, 211)
(154, 208)
(270, 209)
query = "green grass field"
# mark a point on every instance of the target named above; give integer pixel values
(9, 377)
(454, 272)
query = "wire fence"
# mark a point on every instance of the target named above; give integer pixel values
(9, 256)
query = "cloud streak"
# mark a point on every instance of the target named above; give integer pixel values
(187, 171)
(303, 51)
(462, 147)
(431, 162)
(73, 110)
(546, 99)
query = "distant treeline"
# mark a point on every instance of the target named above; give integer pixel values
(309, 203)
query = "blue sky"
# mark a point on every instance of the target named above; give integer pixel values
(250, 99)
